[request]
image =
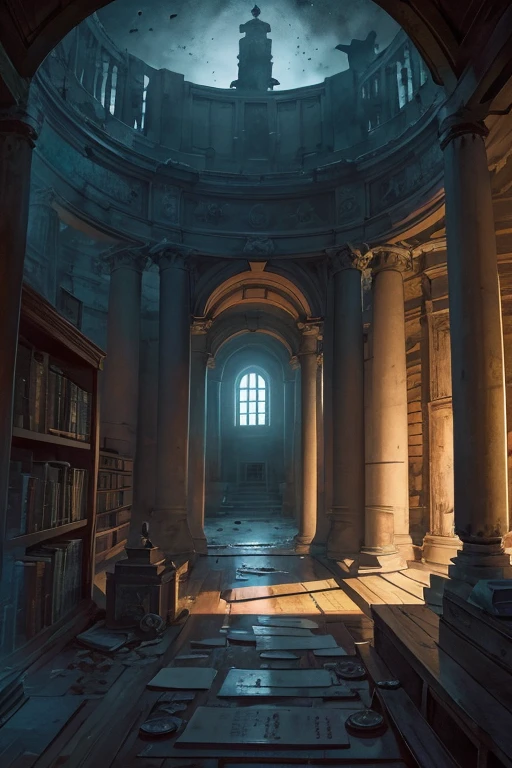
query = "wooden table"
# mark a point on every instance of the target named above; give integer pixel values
(475, 728)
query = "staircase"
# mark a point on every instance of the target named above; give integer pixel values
(252, 500)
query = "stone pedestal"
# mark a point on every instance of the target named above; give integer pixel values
(478, 380)
(346, 536)
(119, 402)
(308, 364)
(169, 518)
(17, 137)
(387, 471)
(197, 435)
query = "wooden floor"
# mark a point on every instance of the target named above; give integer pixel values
(84, 708)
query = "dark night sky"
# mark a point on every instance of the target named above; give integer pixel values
(201, 42)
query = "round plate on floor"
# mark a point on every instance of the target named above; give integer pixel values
(350, 670)
(366, 722)
(157, 727)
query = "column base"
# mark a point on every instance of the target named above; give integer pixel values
(439, 550)
(169, 530)
(475, 562)
(376, 560)
(403, 543)
(200, 545)
(344, 540)
(302, 544)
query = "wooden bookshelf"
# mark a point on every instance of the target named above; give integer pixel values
(52, 487)
(113, 504)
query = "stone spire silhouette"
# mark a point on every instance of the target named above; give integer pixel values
(255, 56)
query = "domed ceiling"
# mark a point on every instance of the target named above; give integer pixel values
(199, 38)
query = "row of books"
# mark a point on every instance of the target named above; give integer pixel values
(44, 495)
(47, 584)
(48, 401)
(115, 463)
(112, 519)
(110, 500)
(110, 539)
(113, 481)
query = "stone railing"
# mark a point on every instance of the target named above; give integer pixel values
(162, 115)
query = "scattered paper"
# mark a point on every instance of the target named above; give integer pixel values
(199, 678)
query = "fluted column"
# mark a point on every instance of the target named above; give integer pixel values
(478, 379)
(311, 332)
(387, 470)
(17, 137)
(169, 519)
(197, 434)
(121, 377)
(347, 514)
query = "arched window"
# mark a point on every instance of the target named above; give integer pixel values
(252, 400)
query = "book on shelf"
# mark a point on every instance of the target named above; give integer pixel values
(113, 519)
(48, 401)
(47, 585)
(44, 495)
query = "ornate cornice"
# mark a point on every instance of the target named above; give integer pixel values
(130, 257)
(461, 123)
(348, 256)
(167, 254)
(393, 257)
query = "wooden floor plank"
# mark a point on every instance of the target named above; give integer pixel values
(405, 583)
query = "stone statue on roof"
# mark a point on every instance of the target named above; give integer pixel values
(255, 56)
(360, 53)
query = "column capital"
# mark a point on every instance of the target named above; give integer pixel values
(200, 326)
(311, 332)
(294, 363)
(167, 254)
(348, 256)
(129, 256)
(462, 122)
(18, 122)
(391, 257)
(44, 196)
(211, 362)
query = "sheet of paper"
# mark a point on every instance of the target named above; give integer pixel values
(193, 678)
(282, 631)
(287, 621)
(295, 643)
(278, 678)
(262, 726)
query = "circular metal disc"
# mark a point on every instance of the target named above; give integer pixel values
(366, 721)
(160, 726)
(350, 670)
(388, 685)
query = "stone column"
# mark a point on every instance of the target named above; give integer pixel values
(17, 137)
(213, 422)
(346, 536)
(197, 434)
(308, 362)
(169, 519)
(289, 439)
(120, 388)
(478, 379)
(440, 544)
(387, 469)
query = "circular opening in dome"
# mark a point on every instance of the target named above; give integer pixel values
(201, 38)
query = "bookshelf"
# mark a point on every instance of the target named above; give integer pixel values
(113, 505)
(50, 521)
